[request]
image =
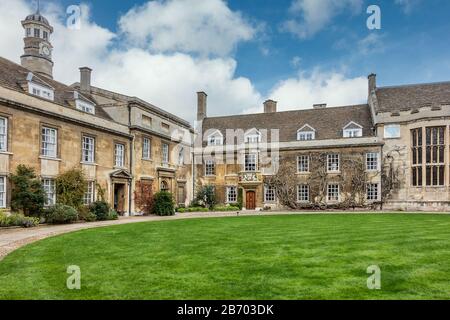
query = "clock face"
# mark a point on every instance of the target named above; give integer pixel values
(45, 50)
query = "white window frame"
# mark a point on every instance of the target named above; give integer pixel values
(231, 195)
(372, 161)
(303, 159)
(215, 139)
(146, 148)
(165, 153)
(252, 164)
(353, 133)
(331, 189)
(3, 192)
(270, 195)
(49, 186)
(37, 33)
(210, 168)
(373, 194)
(85, 106)
(306, 135)
(119, 155)
(49, 142)
(330, 162)
(303, 195)
(88, 197)
(28, 32)
(181, 157)
(41, 91)
(4, 134)
(45, 35)
(88, 149)
(391, 135)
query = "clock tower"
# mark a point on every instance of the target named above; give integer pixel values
(37, 55)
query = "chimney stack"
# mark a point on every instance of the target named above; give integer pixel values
(372, 82)
(201, 105)
(85, 79)
(270, 106)
(319, 106)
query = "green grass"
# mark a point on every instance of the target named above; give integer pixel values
(270, 257)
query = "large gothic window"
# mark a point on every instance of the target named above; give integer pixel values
(435, 146)
(417, 159)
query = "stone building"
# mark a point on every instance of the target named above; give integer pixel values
(120, 142)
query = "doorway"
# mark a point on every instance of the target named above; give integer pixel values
(250, 201)
(119, 197)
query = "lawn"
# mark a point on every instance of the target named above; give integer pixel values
(270, 257)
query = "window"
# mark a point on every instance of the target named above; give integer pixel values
(417, 157)
(119, 155)
(392, 131)
(85, 107)
(353, 133)
(49, 142)
(37, 33)
(45, 33)
(89, 195)
(372, 191)
(146, 121)
(303, 193)
(253, 136)
(181, 157)
(49, 188)
(164, 186)
(88, 150)
(215, 140)
(165, 153)
(146, 148)
(333, 162)
(231, 194)
(303, 164)
(434, 157)
(210, 168)
(40, 91)
(269, 194)
(333, 192)
(372, 161)
(306, 135)
(2, 192)
(250, 162)
(28, 32)
(3, 134)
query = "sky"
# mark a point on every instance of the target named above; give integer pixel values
(240, 52)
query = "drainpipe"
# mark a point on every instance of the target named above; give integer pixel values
(130, 182)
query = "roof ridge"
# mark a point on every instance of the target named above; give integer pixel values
(414, 85)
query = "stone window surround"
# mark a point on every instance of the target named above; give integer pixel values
(3, 191)
(43, 125)
(303, 193)
(268, 196)
(232, 194)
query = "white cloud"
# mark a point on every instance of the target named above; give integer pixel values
(205, 27)
(407, 5)
(311, 16)
(296, 61)
(304, 90)
(372, 43)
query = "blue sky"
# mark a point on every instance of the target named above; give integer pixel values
(324, 56)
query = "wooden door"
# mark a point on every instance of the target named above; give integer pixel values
(250, 200)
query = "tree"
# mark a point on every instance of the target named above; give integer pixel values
(28, 194)
(71, 187)
(163, 204)
(206, 196)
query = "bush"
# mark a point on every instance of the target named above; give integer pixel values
(113, 215)
(206, 196)
(28, 195)
(61, 214)
(193, 209)
(71, 187)
(86, 215)
(18, 220)
(227, 208)
(101, 210)
(163, 204)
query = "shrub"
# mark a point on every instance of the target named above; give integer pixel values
(113, 215)
(61, 214)
(28, 195)
(226, 208)
(18, 220)
(206, 195)
(71, 187)
(193, 209)
(100, 209)
(163, 204)
(85, 214)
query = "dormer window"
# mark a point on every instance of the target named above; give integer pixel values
(352, 130)
(253, 136)
(40, 91)
(306, 133)
(215, 139)
(85, 106)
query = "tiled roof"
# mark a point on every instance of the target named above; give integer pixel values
(409, 97)
(328, 122)
(13, 76)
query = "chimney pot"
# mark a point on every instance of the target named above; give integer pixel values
(201, 105)
(270, 106)
(85, 79)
